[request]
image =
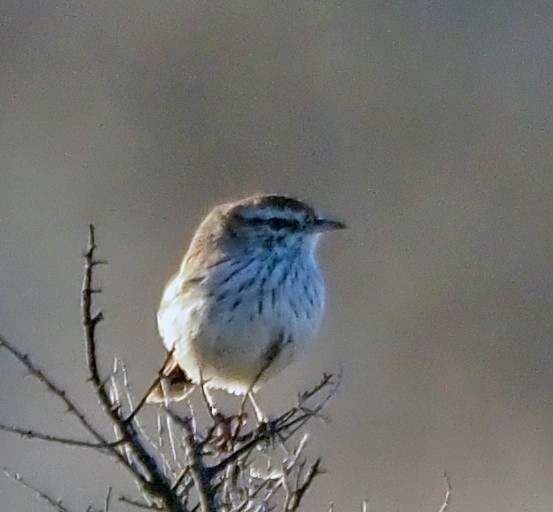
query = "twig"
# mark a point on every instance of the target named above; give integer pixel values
(199, 472)
(210, 476)
(447, 497)
(168, 423)
(138, 504)
(181, 477)
(312, 473)
(60, 393)
(247, 500)
(243, 450)
(55, 504)
(150, 476)
(32, 434)
(283, 423)
(108, 497)
(144, 398)
(121, 368)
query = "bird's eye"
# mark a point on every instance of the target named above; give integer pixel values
(277, 224)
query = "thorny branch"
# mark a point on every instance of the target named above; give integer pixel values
(144, 465)
(55, 504)
(25, 360)
(198, 470)
(213, 464)
(153, 385)
(32, 434)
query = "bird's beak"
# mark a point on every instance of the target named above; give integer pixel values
(322, 224)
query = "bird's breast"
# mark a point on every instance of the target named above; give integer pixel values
(246, 319)
(273, 294)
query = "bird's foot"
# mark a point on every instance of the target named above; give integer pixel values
(226, 429)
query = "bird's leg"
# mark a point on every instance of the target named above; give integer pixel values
(210, 401)
(262, 418)
(271, 353)
(225, 428)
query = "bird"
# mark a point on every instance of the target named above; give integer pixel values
(248, 297)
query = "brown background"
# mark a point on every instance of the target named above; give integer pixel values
(426, 125)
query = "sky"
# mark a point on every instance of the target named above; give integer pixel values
(426, 126)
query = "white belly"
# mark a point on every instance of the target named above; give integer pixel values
(236, 343)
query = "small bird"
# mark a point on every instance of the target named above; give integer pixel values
(248, 296)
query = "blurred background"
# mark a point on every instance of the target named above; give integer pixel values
(425, 125)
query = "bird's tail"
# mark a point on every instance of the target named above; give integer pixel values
(173, 386)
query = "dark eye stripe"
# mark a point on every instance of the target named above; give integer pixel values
(278, 224)
(275, 223)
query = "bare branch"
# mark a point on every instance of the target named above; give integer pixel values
(299, 493)
(107, 501)
(447, 497)
(148, 473)
(215, 465)
(200, 473)
(55, 504)
(116, 395)
(291, 420)
(32, 434)
(144, 398)
(61, 394)
(139, 504)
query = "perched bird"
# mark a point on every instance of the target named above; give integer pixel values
(247, 298)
